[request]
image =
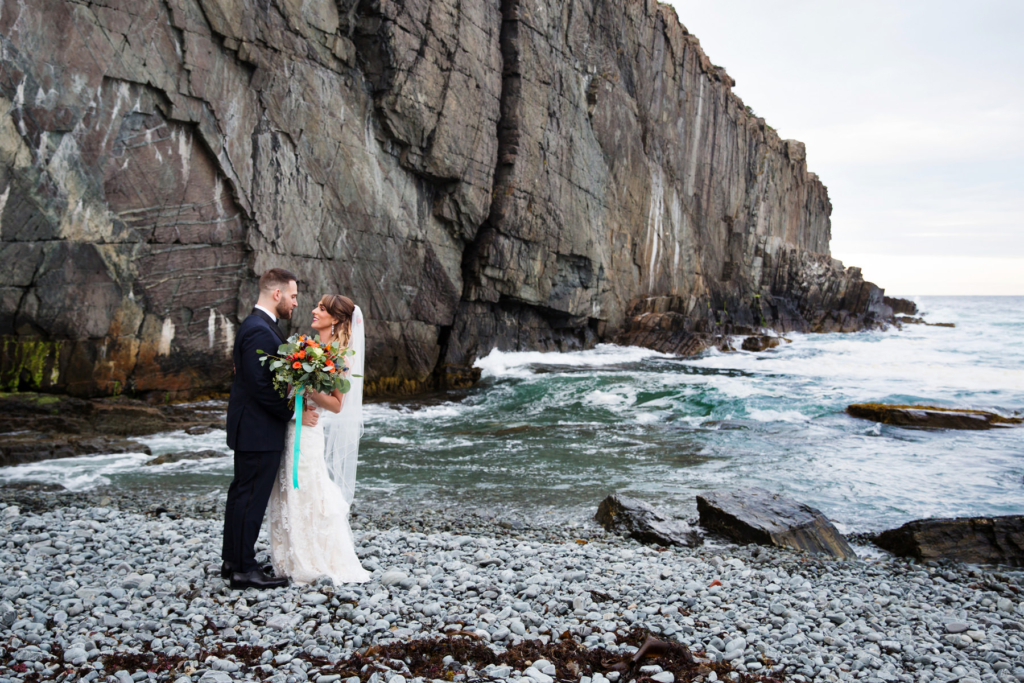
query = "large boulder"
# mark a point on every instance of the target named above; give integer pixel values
(758, 516)
(929, 416)
(978, 540)
(643, 522)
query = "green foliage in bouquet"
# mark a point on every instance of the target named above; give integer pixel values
(303, 361)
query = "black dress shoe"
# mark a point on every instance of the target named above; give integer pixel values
(227, 569)
(256, 579)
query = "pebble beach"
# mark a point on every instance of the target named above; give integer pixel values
(126, 587)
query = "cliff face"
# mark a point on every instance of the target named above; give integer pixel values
(473, 173)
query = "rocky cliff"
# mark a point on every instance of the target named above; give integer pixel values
(474, 173)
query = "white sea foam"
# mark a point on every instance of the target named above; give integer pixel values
(611, 399)
(173, 442)
(776, 415)
(871, 365)
(516, 363)
(76, 474)
(374, 413)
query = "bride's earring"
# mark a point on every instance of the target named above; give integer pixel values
(332, 329)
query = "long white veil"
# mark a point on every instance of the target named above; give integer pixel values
(343, 430)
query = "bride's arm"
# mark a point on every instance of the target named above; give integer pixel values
(332, 401)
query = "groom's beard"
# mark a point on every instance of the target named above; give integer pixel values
(284, 310)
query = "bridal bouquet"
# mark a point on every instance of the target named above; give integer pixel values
(304, 363)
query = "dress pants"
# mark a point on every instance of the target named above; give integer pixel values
(255, 472)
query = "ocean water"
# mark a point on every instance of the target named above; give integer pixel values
(549, 435)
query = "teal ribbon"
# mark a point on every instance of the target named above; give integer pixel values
(298, 441)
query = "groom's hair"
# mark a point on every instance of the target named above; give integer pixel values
(276, 278)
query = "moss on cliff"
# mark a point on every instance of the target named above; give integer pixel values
(29, 364)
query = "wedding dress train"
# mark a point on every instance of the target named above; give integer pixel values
(310, 535)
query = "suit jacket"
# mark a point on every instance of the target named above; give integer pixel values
(257, 415)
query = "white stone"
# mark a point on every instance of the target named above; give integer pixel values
(392, 577)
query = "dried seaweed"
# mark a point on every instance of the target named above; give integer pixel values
(425, 658)
(571, 659)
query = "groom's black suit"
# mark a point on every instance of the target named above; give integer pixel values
(257, 422)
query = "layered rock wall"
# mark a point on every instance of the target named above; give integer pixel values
(474, 173)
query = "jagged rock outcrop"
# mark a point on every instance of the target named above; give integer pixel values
(474, 173)
(900, 306)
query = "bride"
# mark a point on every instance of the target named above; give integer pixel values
(309, 532)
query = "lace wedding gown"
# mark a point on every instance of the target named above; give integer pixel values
(309, 532)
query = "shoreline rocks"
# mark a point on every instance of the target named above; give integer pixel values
(930, 417)
(643, 522)
(755, 515)
(907, 320)
(977, 540)
(24, 447)
(167, 458)
(36, 427)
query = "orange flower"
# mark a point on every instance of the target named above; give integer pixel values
(296, 365)
(301, 354)
(329, 367)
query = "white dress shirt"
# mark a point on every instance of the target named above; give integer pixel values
(274, 317)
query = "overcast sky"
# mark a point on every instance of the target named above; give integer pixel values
(913, 115)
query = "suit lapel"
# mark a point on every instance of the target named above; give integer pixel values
(273, 325)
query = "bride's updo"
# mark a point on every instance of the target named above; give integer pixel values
(341, 309)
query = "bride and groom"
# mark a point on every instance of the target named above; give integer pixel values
(309, 532)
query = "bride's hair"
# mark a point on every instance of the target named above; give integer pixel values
(340, 308)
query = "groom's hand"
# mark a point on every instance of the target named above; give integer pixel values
(309, 418)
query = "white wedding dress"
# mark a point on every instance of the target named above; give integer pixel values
(310, 536)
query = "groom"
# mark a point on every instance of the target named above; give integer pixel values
(257, 421)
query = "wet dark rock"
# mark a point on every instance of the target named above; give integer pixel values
(930, 417)
(643, 522)
(760, 342)
(23, 447)
(976, 540)
(667, 332)
(757, 516)
(184, 455)
(907, 320)
(39, 427)
(900, 306)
